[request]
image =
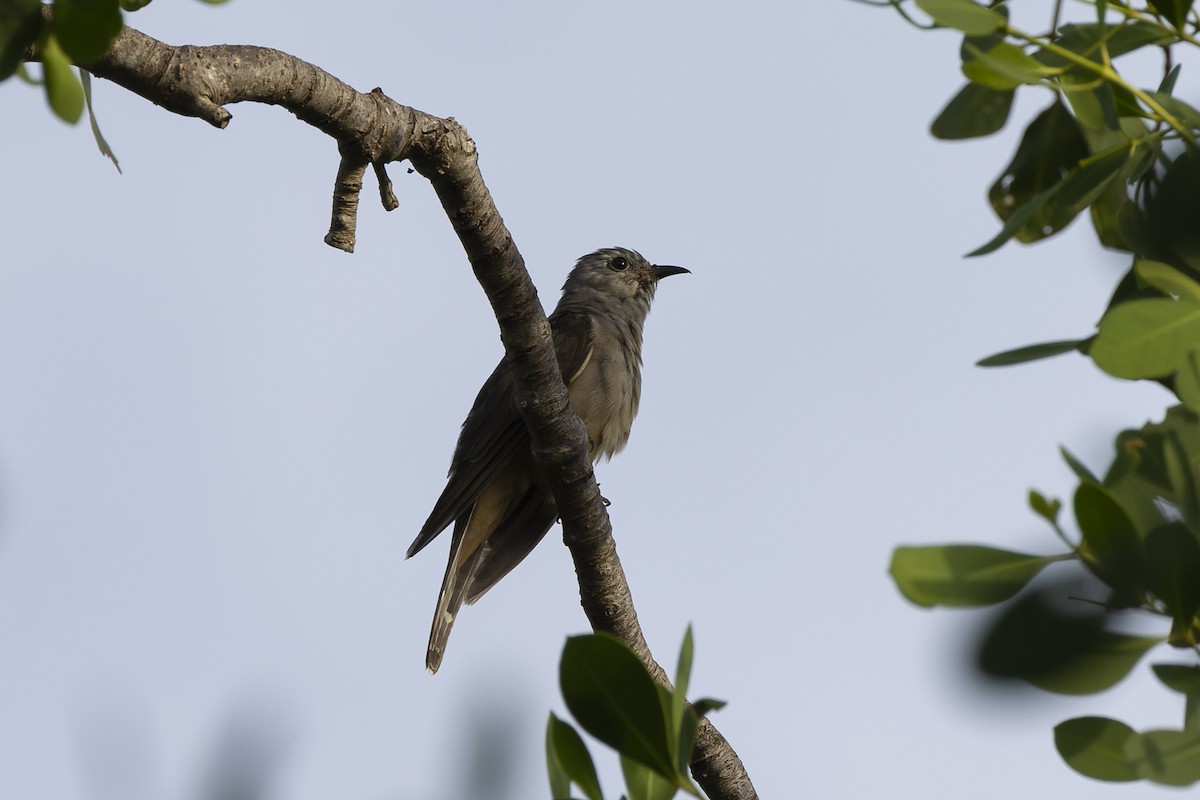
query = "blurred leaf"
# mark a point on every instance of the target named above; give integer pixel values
(1085, 184)
(1182, 678)
(1164, 227)
(1171, 758)
(1146, 338)
(86, 28)
(1019, 220)
(1031, 352)
(706, 705)
(1065, 653)
(1173, 574)
(644, 783)
(963, 15)
(1106, 216)
(1168, 82)
(963, 575)
(1111, 546)
(63, 91)
(1085, 39)
(1182, 472)
(683, 735)
(1045, 508)
(1187, 380)
(975, 111)
(1166, 279)
(1138, 478)
(568, 761)
(1185, 679)
(1081, 471)
(1174, 11)
(1095, 747)
(20, 26)
(134, 5)
(1003, 67)
(1185, 113)
(613, 698)
(1094, 102)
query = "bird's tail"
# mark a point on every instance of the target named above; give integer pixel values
(454, 591)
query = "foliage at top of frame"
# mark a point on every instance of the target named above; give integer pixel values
(1128, 156)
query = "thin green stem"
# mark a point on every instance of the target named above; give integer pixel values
(1106, 72)
(1137, 14)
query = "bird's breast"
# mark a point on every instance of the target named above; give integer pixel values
(605, 395)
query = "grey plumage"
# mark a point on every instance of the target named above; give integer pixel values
(496, 496)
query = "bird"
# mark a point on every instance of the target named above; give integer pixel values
(496, 496)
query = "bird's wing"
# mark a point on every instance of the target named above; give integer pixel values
(573, 341)
(491, 434)
(513, 540)
(494, 431)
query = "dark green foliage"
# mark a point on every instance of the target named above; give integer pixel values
(612, 696)
(1129, 156)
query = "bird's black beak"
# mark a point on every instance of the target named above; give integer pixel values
(666, 271)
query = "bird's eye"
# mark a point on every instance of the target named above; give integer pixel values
(619, 263)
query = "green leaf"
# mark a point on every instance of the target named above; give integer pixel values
(1173, 574)
(20, 26)
(1078, 467)
(614, 699)
(1187, 380)
(1166, 279)
(1005, 66)
(1086, 39)
(86, 28)
(683, 737)
(1045, 508)
(134, 5)
(1111, 546)
(1168, 83)
(1174, 11)
(1171, 758)
(975, 111)
(560, 781)
(1032, 352)
(1084, 184)
(1051, 148)
(706, 705)
(1185, 679)
(1182, 678)
(1066, 653)
(1095, 747)
(1185, 113)
(63, 91)
(1147, 338)
(963, 575)
(1182, 474)
(568, 761)
(644, 783)
(1021, 218)
(962, 15)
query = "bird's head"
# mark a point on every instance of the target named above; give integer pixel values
(617, 273)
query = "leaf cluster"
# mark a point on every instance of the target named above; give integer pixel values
(612, 696)
(1129, 156)
(74, 32)
(1139, 534)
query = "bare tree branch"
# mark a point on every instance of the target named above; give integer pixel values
(371, 129)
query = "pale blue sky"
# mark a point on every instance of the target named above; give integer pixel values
(218, 435)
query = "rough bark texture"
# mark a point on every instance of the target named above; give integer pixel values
(373, 130)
